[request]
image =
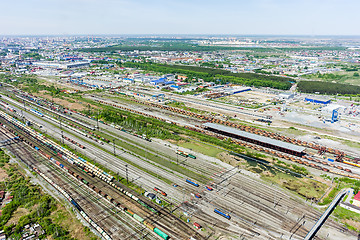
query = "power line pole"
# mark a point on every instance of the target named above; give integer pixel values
(114, 146)
(22, 113)
(62, 132)
(127, 177)
(97, 120)
(177, 156)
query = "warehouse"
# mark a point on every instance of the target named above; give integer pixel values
(61, 65)
(321, 101)
(256, 139)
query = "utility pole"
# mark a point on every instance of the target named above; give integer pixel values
(22, 113)
(127, 177)
(177, 156)
(114, 146)
(97, 120)
(62, 132)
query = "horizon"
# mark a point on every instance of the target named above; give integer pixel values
(139, 35)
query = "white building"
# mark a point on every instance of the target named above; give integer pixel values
(62, 65)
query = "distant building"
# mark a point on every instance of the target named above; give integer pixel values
(160, 81)
(181, 77)
(356, 200)
(320, 101)
(61, 65)
(286, 95)
(128, 80)
(238, 90)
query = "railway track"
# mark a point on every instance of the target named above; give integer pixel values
(232, 196)
(98, 208)
(183, 228)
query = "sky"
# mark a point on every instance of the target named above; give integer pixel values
(242, 17)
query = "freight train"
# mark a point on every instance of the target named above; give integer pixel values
(185, 154)
(254, 130)
(244, 128)
(75, 204)
(56, 147)
(192, 183)
(87, 166)
(222, 214)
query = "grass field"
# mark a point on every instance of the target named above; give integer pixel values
(201, 148)
(338, 77)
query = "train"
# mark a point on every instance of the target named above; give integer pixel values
(241, 127)
(185, 154)
(281, 155)
(191, 182)
(222, 214)
(59, 149)
(109, 198)
(160, 191)
(6, 106)
(277, 136)
(75, 204)
(37, 112)
(209, 188)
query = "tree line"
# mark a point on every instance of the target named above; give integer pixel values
(327, 88)
(213, 74)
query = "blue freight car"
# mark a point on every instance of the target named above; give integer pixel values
(191, 182)
(76, 205)
(222, 214)
(37, 149)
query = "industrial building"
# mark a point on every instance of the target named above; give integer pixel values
(256, 139)
(320, 101)
(61, 65)
(158, 81)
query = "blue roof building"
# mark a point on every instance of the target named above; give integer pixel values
(175, 87)
(169, 82)
(159, 81)
(317, 100)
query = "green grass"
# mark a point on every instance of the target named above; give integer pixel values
(344, 214)
(338, 77)
(201, 148)
(302, 186)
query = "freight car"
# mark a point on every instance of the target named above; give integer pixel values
(191, 182)
(222, 214)
(160, 191)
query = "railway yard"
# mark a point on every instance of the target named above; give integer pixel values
(104, 169)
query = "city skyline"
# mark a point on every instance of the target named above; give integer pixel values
(261, 17)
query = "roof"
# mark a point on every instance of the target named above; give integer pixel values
(159, 80)
(169, 82)
(317, 100)
(357, 196)
(259, 138)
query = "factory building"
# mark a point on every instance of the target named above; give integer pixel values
(61, 65)
(315, 100)
(256, 139)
